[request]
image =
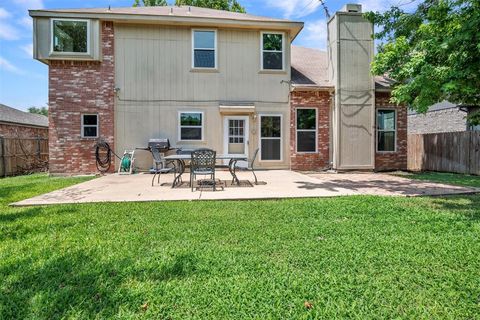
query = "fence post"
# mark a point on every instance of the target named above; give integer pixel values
(38, 148)
(4, 159)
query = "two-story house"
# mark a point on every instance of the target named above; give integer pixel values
(208, 78)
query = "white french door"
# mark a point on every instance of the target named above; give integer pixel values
(235, 137)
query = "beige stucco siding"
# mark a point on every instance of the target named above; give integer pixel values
(156, 81)
(353, 121)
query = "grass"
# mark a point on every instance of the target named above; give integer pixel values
(349, 257)
(447, 178)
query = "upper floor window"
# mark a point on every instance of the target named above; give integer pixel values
(386, 130)
(70, 36)
(272, 51)
(204, 49)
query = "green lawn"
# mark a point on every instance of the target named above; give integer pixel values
(351, 257)
(447, 178)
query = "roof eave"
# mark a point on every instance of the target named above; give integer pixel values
(312, 87)
(293, 26)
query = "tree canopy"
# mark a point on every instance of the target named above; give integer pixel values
(433, 53)
(228, 5)
(40, 110)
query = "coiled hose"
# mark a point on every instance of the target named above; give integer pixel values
(103, 155)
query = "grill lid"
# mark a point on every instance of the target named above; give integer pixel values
(160, 144)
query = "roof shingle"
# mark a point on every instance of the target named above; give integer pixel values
(310, 68)
(11, 115)
(175, 11)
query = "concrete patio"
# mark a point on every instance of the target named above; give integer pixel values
(279, 184)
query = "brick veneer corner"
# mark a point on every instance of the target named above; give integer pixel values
(77, 87)
(387, 161)
(320, 100)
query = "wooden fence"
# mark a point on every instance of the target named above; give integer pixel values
(447, 152)
(23, 155)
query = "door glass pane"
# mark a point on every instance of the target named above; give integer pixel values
(306, 141)
(270, 149)
(236, 137)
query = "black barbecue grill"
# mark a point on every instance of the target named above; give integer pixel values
(161, 145)
(156, 147)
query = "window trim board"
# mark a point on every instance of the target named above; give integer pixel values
(82, 125)
(378, 130)
(63, 53)
(262, 69)
(215, 49)
(270, 138)
(202, 127)
(305, 130)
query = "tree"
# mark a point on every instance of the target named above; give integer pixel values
(228, 5)
(432, 53)
(41, 110)
(150, 3)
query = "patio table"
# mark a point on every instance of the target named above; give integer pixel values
(181, 158)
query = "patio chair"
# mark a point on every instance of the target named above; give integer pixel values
(203, 163)
(250, 167)
(161, 165)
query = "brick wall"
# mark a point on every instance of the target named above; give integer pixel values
(385, 161)
(21, 131)
(320, 100)
(77, 87)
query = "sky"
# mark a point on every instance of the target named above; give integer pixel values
(24, 81)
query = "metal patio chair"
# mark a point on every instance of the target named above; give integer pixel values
(250, 163)
(203, 163)
(161, 165)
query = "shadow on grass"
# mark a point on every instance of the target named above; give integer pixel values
(398, 187)
(22, 214)
(465, 206)
(78, 284)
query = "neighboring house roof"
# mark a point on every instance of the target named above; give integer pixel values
(11, 115)
(310, 69)
(444, 105)
(176, 13)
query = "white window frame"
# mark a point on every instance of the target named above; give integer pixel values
(89, 125)
(260, 116)
(378, 130)
(262, 51)
(202, 127)
(215, 50)
(306, 130)
(52, 35)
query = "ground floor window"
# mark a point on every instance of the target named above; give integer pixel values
(89, 125)
(386, 130)
(190, 126)
(306, 130)
(270, 137)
